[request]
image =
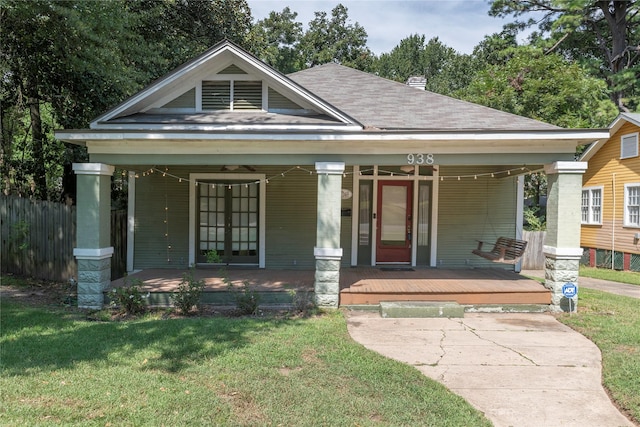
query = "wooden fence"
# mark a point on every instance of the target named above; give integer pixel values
(533, 258)
(38, 238)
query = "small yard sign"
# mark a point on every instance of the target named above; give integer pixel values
(569, 290)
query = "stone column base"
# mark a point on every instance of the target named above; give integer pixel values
(94, 277)
(327, 282)
(558, 271)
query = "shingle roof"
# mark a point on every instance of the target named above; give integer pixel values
(380, 103)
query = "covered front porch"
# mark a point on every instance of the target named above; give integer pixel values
(360, 286)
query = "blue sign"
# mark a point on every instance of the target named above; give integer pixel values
(569, 290)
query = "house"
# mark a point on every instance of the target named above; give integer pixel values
(610, 230)
(322, 169)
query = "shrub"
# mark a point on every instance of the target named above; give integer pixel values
(302, 300)
(247, 299)
(128, 299)
(188, 294)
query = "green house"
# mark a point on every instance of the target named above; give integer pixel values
(322, 169)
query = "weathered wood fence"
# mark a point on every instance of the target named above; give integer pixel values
(38, 238)
(533, 258)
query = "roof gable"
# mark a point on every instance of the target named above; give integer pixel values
(380, 103)
(224, 79)
(633, 118)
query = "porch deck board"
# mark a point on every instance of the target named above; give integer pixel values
(369, 285)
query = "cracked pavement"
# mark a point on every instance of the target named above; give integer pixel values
(520, 369)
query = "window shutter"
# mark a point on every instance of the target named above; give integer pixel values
(629, 146)
(216, 95)
(247, 95)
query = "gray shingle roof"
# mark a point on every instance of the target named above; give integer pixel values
(380, 103)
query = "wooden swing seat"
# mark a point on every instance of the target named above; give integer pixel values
(505, 250)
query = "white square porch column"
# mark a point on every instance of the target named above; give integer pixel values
(93, 230)
(562, 242)
(327, 251)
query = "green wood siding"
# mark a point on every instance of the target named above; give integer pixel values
(186, 100)
(470, 210)
(290, 217)
(153, 249)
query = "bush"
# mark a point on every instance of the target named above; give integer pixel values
(128, 299)
(302, 301)
(188, 294)
(247, 299)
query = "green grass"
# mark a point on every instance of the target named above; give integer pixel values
(630, 277)
(59, 369)
(612, 322)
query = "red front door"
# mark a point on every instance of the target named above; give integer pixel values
(394, 222)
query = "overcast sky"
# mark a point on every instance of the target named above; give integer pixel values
(458, 24)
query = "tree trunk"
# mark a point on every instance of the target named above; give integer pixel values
(615, 12)
(39, 170)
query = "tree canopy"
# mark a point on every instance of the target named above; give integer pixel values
(603, 35)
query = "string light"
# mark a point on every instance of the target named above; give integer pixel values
(381, 172)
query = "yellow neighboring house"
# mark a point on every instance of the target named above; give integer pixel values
(610, 231)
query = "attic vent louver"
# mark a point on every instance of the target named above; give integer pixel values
(418, 82)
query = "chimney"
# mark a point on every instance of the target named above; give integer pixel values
(418, 82)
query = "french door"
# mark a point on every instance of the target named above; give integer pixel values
(228, 220)
(393, 242)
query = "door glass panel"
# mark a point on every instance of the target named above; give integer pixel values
(423, 215)
(394, 214)
(365, 214)
(228, 221)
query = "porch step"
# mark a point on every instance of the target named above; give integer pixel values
(422, 309)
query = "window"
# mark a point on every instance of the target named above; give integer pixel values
(632, 205)
(592, 205)
(629, 146)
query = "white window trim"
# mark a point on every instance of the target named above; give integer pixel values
(627, 223)
(590, 190)
(622, 156)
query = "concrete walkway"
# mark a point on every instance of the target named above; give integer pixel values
(519, 369)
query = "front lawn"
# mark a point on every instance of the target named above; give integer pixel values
(59, 368)
(612, 322)
(630, 277)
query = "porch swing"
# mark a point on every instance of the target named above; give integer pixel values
(505, 250)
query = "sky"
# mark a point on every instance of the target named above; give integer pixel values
(460, 25)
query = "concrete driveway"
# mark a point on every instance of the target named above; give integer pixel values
(519, 369)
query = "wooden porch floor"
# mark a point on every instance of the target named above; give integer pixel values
(370, 285)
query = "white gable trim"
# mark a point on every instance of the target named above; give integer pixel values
(259, 69)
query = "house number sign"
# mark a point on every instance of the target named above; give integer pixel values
(420, 159)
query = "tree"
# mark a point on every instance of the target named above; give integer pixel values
(335, 40)
(54, 59)
(544, 87)
(276, 40)
(601, 34)
(446, 70)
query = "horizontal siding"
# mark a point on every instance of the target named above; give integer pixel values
(160, 199)
(290, 218)
(470, 210)
(602, 237)
(600, 173)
